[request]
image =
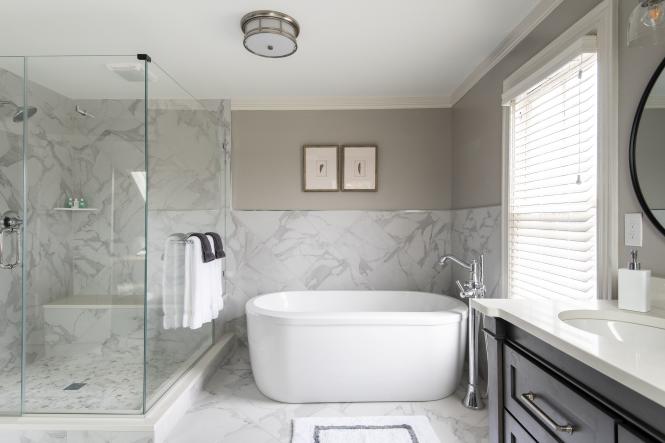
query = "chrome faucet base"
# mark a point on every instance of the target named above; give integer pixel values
(472, 399)
(474, 287)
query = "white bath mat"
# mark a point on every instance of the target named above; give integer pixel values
(388, 429)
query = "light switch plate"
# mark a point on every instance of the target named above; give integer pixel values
(633, 229)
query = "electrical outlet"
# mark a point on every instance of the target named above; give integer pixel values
(633, 229)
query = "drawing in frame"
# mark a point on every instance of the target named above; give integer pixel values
(320, 168)
(359, 168)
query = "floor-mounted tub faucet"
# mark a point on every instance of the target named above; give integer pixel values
(474, 287)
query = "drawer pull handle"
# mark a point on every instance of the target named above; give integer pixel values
(528, 399)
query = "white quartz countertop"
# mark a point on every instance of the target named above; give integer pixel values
(639, 367)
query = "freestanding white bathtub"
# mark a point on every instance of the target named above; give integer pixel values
(355, 346)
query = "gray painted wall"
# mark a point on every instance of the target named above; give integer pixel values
(477, 116)
(414, 158)
(477, 123)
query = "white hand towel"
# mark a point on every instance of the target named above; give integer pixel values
(197, 286)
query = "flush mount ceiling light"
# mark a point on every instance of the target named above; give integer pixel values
(270, 33)
(646, 25)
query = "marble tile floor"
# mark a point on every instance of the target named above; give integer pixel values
(232, 410)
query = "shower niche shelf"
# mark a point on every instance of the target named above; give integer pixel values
(77, 209)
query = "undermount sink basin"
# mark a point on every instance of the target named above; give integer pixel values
(631, 328)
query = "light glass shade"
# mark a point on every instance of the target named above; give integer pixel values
(270, 33)
(646, 25)
(268, 44)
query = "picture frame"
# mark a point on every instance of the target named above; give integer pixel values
(320, 168)
(360, 168)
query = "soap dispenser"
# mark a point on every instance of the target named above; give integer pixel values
(634, 286)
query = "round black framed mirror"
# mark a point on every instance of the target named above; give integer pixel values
(647, 150)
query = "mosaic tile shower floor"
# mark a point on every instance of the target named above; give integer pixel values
(113, 380)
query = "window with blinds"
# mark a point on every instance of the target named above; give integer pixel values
(552, 191)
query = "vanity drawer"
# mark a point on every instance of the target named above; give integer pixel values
(513, 431)
(548, 408)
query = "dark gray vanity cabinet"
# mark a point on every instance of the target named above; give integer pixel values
(540, 394)
(514, 432)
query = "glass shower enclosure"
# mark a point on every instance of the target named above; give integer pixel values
(101, 159)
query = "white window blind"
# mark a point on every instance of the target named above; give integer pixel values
(552, 191)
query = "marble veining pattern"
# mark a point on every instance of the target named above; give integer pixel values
(476, 231)
(232, 410)
(309, 250)
(99, 254)
(47, 250)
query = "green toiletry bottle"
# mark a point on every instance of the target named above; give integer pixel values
(69, 202)
(83, 203)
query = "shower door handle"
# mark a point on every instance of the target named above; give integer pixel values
(11, 227)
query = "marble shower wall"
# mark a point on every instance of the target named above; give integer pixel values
(48, 254)
(106, 151)
(11, 177)
(186, 194)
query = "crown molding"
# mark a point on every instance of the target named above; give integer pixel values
(535, 17)
(336, 103)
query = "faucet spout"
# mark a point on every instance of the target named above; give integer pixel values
(446, 258)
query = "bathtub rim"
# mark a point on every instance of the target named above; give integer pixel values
(456, 314)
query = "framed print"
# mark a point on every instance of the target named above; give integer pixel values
(320, 171)
(359, 168)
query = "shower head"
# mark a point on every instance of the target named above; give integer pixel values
(21, 112)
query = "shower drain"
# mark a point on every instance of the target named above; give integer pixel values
(74, 386)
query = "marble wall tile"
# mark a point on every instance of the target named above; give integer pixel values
(65, 326)
(106, 151)
(186, 164)
(11, 196)
(48, 254)
(99, 253)
(316, 250)
(476, 231)
(186, 186)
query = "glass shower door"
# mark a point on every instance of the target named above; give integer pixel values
(11, 204)
(85, 239)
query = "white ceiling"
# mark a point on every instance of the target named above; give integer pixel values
(362, 48)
